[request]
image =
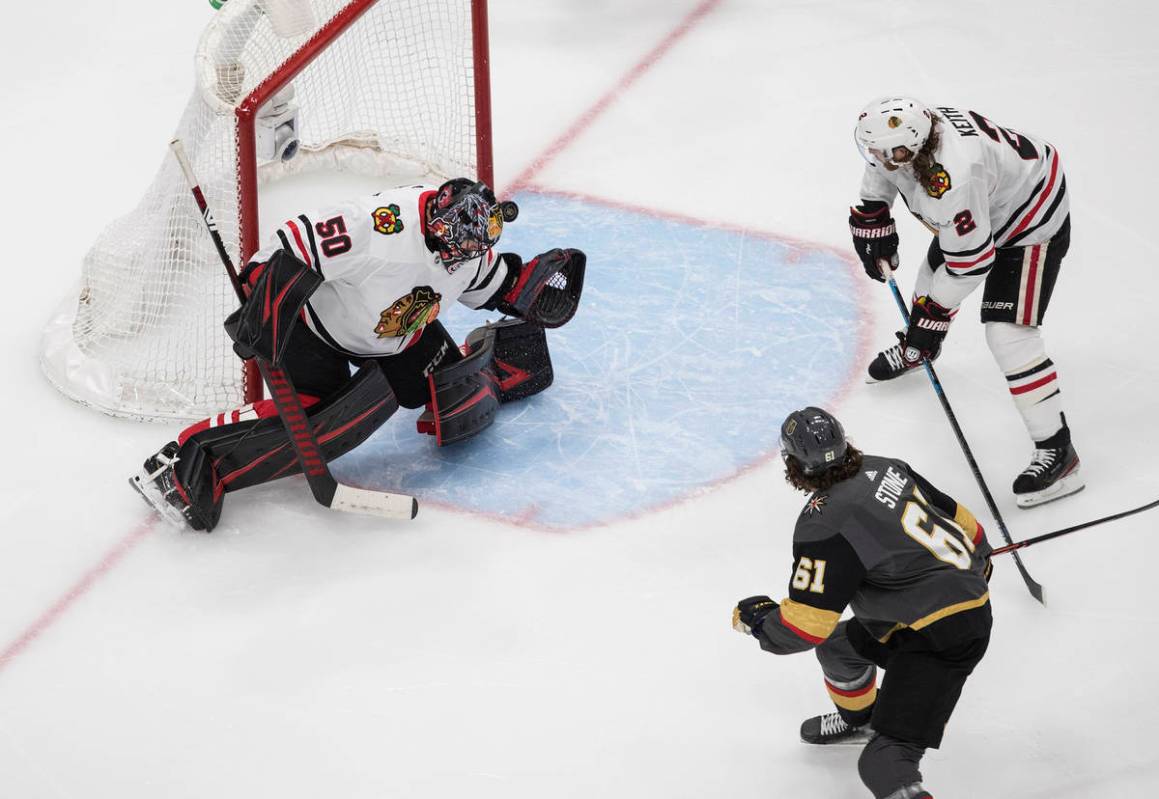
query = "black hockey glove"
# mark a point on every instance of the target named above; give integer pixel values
(546, 290)
(928, 325)
(874, 236)
(749, 614)
(261, 326)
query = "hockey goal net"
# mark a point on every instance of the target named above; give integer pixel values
(395, 88)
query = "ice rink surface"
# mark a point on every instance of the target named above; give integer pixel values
(556, 621)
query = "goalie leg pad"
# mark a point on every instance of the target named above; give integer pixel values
(218, 460)
(522, 363)
(464, 394)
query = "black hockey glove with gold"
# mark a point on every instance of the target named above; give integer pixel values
(749, 614)
(928, 325)
(280, 287)
(874, 236)
(545, 290)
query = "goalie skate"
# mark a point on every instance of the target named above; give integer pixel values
(155, 483)
(832, 729)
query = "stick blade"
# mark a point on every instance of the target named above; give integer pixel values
(1035, 588)
(374, 503)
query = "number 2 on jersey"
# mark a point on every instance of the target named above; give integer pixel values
(1020, 143)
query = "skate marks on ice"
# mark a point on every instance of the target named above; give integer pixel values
(691, 344)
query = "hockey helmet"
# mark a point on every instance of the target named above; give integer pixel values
(891, 122)
(814, 438)
(465, 220)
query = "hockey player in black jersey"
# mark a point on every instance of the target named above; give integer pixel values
(913, 565)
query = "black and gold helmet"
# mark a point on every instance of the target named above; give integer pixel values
(814, 438)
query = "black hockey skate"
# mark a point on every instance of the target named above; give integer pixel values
(832, 729)
(889, 363)
(157, 485)
(1053, 472)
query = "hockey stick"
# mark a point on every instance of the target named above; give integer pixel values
(327, 491)
(1032, 586)
(1047, 536)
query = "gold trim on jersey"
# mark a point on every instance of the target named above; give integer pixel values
(853, 701)
(967, 522)
(938, 615)
(816, 624)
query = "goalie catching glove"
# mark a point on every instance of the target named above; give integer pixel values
(261, 327)
(545, 290)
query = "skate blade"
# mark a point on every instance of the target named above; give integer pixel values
(157, 502)
(1071, 484)
(871, 380)
(860, 739)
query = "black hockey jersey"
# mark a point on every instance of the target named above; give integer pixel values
(887, 544)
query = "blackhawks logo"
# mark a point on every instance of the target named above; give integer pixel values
(409, 313)
(386, 219)
(939, 182)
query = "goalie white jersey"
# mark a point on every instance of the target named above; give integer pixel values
(991, 188)
(382, 283)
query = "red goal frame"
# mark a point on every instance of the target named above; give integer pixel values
(246, 113)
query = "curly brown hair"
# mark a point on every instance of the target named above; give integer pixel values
(809, 483)
(925, 166)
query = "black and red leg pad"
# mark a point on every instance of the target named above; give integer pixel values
(228, 458)
(464, 394)
(504, 362)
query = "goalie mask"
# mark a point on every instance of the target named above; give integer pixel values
(814, 438)
(891, 130)
(464, 220)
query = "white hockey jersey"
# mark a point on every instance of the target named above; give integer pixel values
(382, 284)
(996, 188)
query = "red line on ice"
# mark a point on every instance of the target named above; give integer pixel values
(566, 138)
(78, 589)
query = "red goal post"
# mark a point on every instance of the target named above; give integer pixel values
(392, 88)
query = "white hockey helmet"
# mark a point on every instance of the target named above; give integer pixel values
(891, 122)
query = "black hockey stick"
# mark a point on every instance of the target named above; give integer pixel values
(327, 491)
(1047, 536)
(1032, 586)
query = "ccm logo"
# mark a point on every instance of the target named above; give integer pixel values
(999, 306)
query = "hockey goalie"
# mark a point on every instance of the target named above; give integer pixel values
(358, 288)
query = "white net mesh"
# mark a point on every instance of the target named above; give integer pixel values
(393, 95)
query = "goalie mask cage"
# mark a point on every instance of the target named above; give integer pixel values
(395, 88)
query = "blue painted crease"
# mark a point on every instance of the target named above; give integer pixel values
(691, 345)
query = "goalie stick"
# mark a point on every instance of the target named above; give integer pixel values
(1034, 587)
(326, 490)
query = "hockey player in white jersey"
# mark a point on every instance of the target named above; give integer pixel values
(997, 204)
(361, 285)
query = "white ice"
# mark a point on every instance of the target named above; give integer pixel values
(297, 654)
